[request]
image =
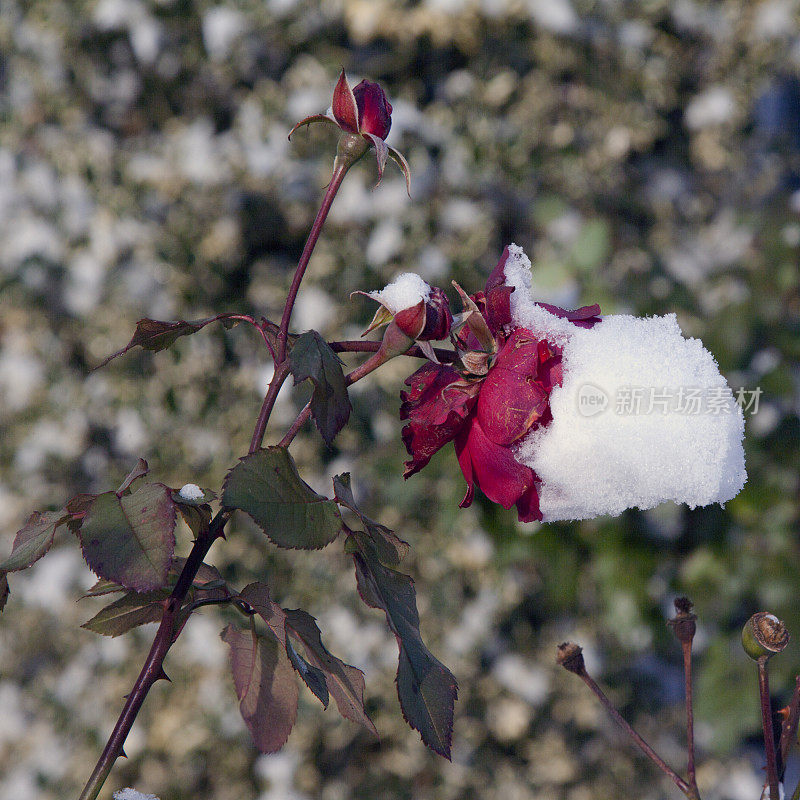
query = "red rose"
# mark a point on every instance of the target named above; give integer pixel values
(487, 412)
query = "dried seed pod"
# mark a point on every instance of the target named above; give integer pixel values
(764, 635)
(570, 656)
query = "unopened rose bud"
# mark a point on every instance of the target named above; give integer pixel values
(422, 312)
(763, 636)
(364, 116)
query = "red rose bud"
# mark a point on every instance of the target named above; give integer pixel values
(364, 115)
(420, 311)
(374, 110)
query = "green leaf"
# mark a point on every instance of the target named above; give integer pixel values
(267, 487)
(33, 540)
(265, 685)
(426, 688)
(130, 611)
(312, 358)
(155, 335)
(391, 548)
(103, 587)
(345, 683)
(130, 539)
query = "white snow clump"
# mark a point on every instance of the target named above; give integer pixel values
(642, 416)
(191, 491)
(132, 794)
(405, 291)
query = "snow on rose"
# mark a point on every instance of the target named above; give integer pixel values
(514, 403)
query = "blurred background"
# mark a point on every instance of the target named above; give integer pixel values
(646, 156)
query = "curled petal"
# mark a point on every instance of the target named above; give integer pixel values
(496, 473)
(438, 318)
(344, 106)
(437, 406)
(312, 118)
(583, 317)
(509, 404)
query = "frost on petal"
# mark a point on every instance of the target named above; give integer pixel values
(642, 416)
(404, 291)
(545, 321)
(437, 406)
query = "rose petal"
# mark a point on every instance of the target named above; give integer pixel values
(493, 469)
(374, 110)
(437, 406)
(509, 403)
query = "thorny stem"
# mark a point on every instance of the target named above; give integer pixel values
(766, 723)
(170, 625)
(153, 668)
(686, 646)
(789, 728)
(688, 790)
(333, 187)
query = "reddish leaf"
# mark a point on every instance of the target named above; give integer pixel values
(102, 587)
(267, 486)
(312, 358)
(130, 611)
(33, 540)
(345, 683)
(313, 677)
(265, 685)
(426, 688)
(391, 548)
(155, 335)
(130, 539)
(257, 596)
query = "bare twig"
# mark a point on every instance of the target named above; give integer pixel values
(570, 656)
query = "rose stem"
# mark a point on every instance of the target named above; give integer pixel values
(766, 724)
(686, 646)
(165, 636)
(153, 669)
(789, 728)
(333, 187)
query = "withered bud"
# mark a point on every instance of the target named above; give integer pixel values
(764, 635)
(570, 656)
(684, 623)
